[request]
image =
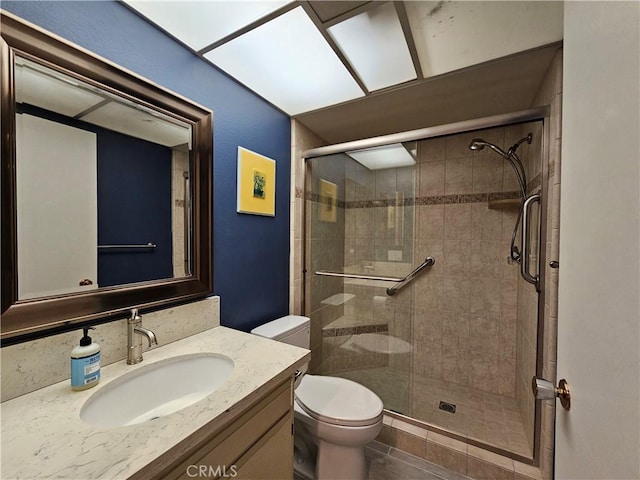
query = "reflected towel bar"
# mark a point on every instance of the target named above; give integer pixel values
(428, 262)
(148, 245)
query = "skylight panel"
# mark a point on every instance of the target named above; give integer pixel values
(201, 23)
(375, 45)
(288, 62)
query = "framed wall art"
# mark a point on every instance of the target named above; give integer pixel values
(256, 183)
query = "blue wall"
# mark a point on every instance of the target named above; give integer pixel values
(250, 295)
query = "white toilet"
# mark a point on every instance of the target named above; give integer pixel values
(334, 417)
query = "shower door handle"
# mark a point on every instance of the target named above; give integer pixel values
(524, 264)
(544, 390)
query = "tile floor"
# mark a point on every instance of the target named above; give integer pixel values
(386, 463)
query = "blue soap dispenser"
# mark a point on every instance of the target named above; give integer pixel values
(85, 363)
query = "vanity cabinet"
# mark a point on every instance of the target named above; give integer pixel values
(255, 443)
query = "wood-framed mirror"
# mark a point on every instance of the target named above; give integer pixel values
(107, 192)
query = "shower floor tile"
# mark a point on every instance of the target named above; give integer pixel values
(489, 418)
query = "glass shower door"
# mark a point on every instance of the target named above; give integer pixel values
(360, 230)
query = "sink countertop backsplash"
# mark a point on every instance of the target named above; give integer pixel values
(44, 437)
(36, 364)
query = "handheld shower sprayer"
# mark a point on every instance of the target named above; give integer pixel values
(478, 144)
(510, 156)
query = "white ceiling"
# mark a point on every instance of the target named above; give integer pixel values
(306, 56)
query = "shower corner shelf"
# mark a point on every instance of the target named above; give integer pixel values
(505, 204)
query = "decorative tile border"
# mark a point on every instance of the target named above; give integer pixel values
(451, 199)
(457, 198)
(322, 199)
(338, 332)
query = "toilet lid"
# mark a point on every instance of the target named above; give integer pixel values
(338, 401)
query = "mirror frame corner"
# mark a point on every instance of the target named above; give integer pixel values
(23, 320)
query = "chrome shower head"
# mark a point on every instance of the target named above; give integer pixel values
(477, 144)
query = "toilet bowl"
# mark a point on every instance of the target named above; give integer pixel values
(339, 417)
(334, 417)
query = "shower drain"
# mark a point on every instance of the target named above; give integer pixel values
(447, 407)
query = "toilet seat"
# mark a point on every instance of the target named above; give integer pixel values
(338, 401)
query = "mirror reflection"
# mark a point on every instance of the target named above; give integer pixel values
(103, 194)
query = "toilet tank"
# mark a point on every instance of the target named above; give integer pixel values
(292, 330)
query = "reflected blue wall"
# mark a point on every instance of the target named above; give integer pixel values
(134, 203)
(134, 208)
(251, 253)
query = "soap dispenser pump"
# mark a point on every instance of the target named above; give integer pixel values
(85, 363)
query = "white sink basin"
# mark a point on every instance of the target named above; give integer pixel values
(157, 389)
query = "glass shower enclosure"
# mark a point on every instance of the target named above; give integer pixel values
(454, 345)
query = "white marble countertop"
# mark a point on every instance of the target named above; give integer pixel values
(44, 437)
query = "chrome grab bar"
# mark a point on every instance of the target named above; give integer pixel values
(390, 291)
(186, 223)
(524, 264)
(358, 276)
(148, 245)
(428, 262)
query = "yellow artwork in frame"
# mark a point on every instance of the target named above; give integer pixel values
(328, 201)
(256, 183)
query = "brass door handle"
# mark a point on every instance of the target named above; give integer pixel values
(544, 390)
(86, 282)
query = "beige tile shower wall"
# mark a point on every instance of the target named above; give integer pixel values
(465, 306)
(33, 365)
(301, 139)
(359, 222)
(325, 251)
(179, 165)
(377, 225)
(550, 93)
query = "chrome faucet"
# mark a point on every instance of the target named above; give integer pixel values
(135, 332)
